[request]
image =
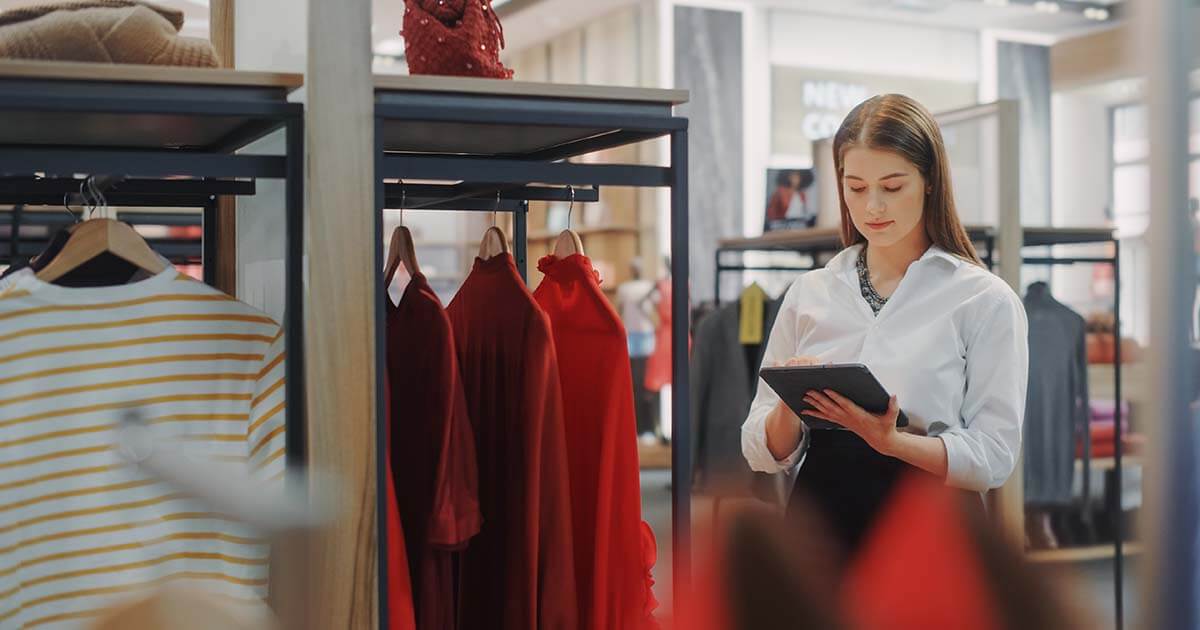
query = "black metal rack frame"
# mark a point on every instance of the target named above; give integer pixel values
(413, 126)
(53, 128)
(1033, 237)
(201, 194)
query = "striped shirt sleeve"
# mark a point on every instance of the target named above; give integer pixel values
(266, 432)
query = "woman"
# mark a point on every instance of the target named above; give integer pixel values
(909, 298)
(786, 183)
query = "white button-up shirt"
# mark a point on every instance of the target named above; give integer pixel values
(951, 344)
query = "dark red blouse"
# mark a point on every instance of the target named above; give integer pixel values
(518, 573)
(432, 444)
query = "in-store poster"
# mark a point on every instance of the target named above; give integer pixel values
(791, 199)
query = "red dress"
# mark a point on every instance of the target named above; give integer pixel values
(658, 366)
(593, 359)
(400, 601)
(432, 448)
(518, 573)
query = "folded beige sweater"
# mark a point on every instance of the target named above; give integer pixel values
(107, 31)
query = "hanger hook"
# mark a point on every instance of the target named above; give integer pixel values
(85, 195)
(98, 196)
(570, 208)
(403, 200)
(67, 206)
(497, 208)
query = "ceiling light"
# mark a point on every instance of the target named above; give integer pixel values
(996, 3)
(1096, 13)
(1046, 7)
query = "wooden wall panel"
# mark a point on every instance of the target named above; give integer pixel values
(221, 25)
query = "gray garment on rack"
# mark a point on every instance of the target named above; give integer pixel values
(724, 376)
(1056, 408)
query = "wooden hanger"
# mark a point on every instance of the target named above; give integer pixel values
(568, 242)
(100, 236)
(400, 249)
(494, 241)
(94, 237)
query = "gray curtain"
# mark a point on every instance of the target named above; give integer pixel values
(708, 62)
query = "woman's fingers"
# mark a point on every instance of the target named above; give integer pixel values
(801, 361)
(820, 401)
(841, 401)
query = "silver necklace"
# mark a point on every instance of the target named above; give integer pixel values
(869, 293)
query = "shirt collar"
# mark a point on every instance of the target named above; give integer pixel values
(843, 264)
(847, 258)
(935, 251)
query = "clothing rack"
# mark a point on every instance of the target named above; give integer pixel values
(491, 141)
(150, 131)
(1070, 236)
(828, 241)
(813, 243)
(129, 195)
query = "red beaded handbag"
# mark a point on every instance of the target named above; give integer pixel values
(454, 37)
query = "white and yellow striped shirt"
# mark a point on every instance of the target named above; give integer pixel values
(79, 528)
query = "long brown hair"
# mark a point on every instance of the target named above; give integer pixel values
(897, 123)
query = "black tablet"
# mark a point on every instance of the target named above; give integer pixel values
(852, 380)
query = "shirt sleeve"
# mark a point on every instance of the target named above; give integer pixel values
(781, 346)
(266, 431)
(983, 448)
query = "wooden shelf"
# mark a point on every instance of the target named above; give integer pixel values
(655, 456)
(552, 114)
(142, 107)
(543, 235)
(829, 239)
(1134, 379)
(1110, 463)
(1082, 554)
(417, 243)
(139, 73)
(494, 87)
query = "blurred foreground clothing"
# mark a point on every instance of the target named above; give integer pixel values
(926, 564)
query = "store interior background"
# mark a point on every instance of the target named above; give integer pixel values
(767, 79)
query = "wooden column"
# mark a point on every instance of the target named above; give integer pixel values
(1010, 237)
(222, 35)
(340, 307)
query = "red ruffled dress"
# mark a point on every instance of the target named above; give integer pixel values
(614, 549)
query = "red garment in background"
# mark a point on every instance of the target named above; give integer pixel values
(602, 454)
(432, 449)
(400, 600)
(518, 573)
(658, 366)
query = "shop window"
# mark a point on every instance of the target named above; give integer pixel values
(1130, 205)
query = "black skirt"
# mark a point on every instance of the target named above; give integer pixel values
(849, 483)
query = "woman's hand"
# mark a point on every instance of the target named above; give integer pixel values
(879, 431)
(784, 427)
